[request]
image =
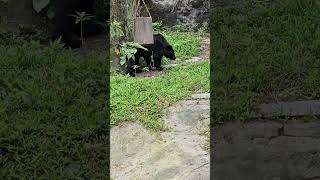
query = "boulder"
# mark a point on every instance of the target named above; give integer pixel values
(189, 12)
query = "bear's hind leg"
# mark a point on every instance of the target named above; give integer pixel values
(137, 63)
(148, 61)
(130, 69)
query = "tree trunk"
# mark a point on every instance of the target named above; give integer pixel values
(121, 11)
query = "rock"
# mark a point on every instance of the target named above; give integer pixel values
(194, 59)
(167, 66)
(191, 12)
(311, 129)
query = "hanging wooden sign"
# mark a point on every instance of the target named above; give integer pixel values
(143, 30)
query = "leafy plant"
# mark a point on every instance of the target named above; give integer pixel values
(180, 27)
(116, 30)
(204, 29)
(125, 50)
(80, 18)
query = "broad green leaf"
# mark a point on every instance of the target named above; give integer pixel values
(50, 12)
(133, 50)
(136, 45)
(38, 5)
(122, 60)
(82, 14)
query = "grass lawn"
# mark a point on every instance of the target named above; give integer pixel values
(53, 114)
(185, 41)
(185, 44)
(263, 52)
(145, 99)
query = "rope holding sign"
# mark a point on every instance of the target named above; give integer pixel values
(145, 5)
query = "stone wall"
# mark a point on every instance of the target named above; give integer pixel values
(191, 12)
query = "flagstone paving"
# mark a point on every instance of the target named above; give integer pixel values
(182, 152)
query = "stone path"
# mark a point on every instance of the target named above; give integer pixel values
(205, 48)
(268, 150)
(180, 153)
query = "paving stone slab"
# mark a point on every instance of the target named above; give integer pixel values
(295, 108)
(201, 96)
(266, 151)
(311, 129)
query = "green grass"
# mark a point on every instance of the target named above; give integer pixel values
(53, 114)
(263, 52)
(185, 44)
(185, 41)
(145, 99)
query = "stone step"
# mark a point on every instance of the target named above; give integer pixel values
(291, 109)
(201, 96)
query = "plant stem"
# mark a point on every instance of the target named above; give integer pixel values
(81, 34)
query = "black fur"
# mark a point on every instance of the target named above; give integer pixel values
(159, 49)
(64, 24)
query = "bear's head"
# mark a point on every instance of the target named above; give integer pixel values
(168, 52)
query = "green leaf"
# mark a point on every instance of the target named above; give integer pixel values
(88, 17)
(73, 15)
(50, 12)
(82, 14)
(133, 50)
(38, 5)
(122, 60)
(136, 45)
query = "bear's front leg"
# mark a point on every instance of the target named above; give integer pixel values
(157, 63)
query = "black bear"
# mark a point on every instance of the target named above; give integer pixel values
(159, 49)
(64, 24)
